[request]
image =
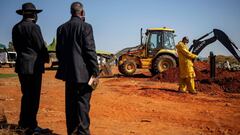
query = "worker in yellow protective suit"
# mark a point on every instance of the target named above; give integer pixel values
(186, 71)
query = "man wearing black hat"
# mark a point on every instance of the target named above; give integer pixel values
(77, 63)
(31, 56)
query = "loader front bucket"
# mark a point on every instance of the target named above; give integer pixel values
(106, 71)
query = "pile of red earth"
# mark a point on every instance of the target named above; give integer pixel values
(224, 81)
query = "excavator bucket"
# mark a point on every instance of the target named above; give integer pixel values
(106, 71)
(199, 44)
(225, 40)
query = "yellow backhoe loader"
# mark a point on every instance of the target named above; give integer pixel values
(157, 53)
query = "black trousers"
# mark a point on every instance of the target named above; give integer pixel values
(77, 103)
(31, 89)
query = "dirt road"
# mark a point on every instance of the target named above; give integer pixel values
(131, 106)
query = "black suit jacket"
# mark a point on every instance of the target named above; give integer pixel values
(75, 51)
(29, 45)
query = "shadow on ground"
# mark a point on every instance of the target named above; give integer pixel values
(12, 129)
(164, 89)
(122, 76)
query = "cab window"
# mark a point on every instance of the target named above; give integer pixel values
(155, 40)
(169, 40)
(154, 43)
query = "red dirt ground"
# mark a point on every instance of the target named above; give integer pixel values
(224, 80)
(133, 106)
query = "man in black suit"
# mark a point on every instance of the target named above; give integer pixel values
(31, 55)
(77, 63)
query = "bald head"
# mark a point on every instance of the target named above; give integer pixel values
(77, 8)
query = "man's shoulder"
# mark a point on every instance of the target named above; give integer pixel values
(87, 24)
(60, 27)
(19, 24)
(70, 22)
(16, 26)
(24, 24)
(74, 23)
(180, 43)
(29, 24)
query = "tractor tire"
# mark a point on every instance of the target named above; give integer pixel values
(162, 63)
(128, 68)
(11, 65)
(151, 71)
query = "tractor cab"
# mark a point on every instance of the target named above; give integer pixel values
(157, 39)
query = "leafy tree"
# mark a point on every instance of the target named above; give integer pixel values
(222, 59)
(52, 46)
(10, 46)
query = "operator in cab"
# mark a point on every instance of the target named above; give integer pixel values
(186, 70)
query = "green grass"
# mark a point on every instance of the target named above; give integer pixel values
(7, 75)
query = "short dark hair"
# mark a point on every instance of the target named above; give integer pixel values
(76, 8)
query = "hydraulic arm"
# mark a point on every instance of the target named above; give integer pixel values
(199, 44)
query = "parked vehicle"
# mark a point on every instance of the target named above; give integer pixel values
(8, 58)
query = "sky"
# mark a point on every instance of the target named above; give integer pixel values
(117, 23)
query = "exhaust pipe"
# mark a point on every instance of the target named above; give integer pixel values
(141, 36)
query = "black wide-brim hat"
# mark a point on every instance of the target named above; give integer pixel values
(28, 8)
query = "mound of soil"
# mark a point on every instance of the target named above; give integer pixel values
(225, 80)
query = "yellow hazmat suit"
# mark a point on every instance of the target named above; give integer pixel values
(186, 71)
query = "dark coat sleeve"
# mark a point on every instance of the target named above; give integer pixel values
(39, 43)
(59, 53)
(89, 50)
(59, 44)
